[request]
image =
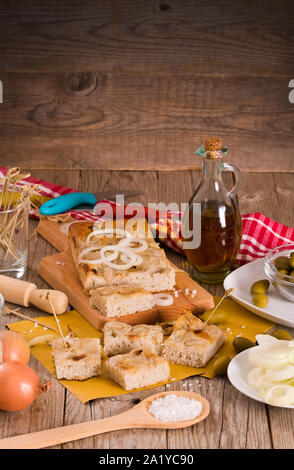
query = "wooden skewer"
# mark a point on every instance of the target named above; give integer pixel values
(57, 321)
(8, 311)
(226, 294)
(12, 232)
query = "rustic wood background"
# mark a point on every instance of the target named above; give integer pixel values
(134, 84)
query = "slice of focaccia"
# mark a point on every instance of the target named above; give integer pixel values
(120, 338)
(116, 301)
(192, 342)
(154, 274)
(137, 369)
(80, 360)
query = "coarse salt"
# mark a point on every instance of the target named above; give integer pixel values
(175, 408)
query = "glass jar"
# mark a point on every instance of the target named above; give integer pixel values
(14, 237)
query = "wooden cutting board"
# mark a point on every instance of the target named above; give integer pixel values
(60, 273)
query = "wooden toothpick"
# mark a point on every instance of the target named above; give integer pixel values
(57, 320)
(15, 312)
(226, 294)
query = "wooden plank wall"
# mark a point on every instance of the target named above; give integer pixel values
(139, 84)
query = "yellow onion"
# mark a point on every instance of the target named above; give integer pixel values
(14, 347)
(19, 386)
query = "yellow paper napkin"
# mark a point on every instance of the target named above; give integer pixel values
(240, 322)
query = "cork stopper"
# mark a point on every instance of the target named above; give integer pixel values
(213, 143)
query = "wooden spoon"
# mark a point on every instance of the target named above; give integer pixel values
(136, 417)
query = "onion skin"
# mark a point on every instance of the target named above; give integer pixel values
(19, 386)
(14, 347)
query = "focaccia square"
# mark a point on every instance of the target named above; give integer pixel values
(120, 338)
(154, 274)
(137, 369)
(192, 342)
(80, 361)
(116, 301)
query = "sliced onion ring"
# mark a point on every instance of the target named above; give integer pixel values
(88, 250)
(137, 262)
(255, 377)
(127, 242)
(280, 395)
(101, 250)
(163, 300)
(107, 249)
(133, 258)
(108, 231)
(278, 375)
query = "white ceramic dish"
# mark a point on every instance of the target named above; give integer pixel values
(238, 371)
(278, 310)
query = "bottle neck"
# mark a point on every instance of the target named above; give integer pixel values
(212, 168)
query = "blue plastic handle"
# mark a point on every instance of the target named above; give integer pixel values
(66, 202)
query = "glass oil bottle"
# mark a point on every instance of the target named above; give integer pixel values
(221, 225)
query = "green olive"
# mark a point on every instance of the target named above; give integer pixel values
(282, 262)
(219, 316)
(260, 300)
(221, 364)
(292, 259)
(291, 274)
(260, 287)
(282, 273)
(281, 334)
(240, 344)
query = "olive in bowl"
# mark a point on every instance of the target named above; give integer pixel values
(278, 268)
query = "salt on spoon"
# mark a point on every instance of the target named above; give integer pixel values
(175, 408)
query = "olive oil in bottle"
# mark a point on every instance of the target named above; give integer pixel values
(221, 225)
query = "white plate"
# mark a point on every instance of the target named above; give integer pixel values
(277, 310)
(238, 371)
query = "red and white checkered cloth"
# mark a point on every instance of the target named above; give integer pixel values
(260, 234)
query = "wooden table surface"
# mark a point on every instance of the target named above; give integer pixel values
(235, 421)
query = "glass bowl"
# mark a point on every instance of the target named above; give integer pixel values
(283, 283)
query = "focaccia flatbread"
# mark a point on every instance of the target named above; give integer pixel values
(190, 346)
(116, 301)
(120, 338)
(80, 361)
(136, 369)
(154, 274)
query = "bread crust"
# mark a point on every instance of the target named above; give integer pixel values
(190, 346)
(139, 368)
(80, 361)
(117, 301)
(121, 338)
